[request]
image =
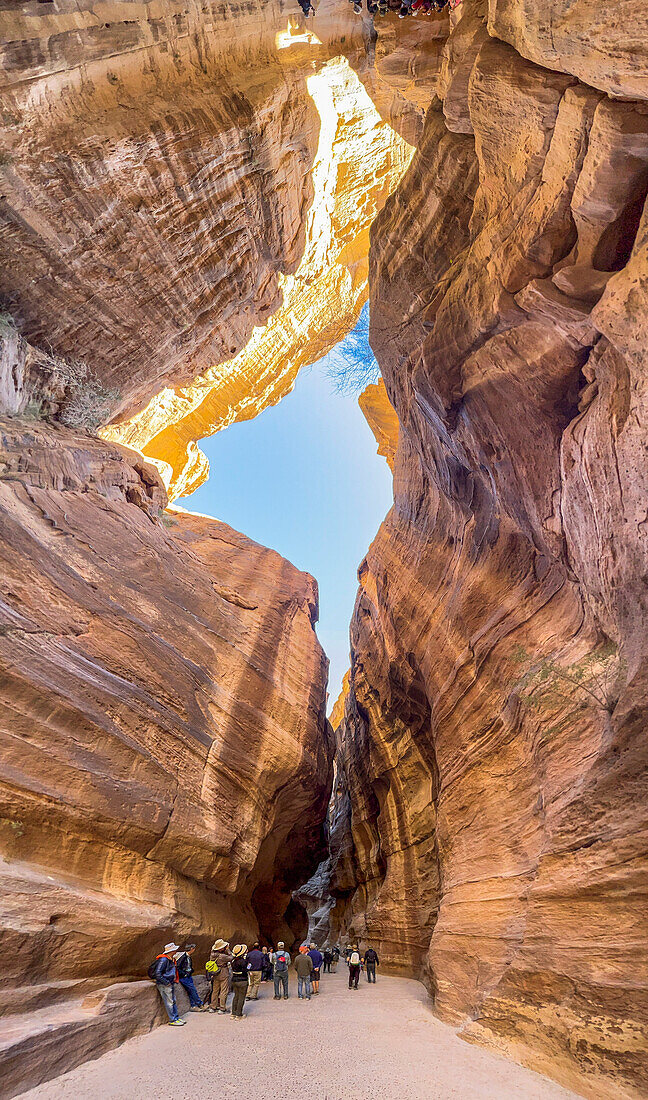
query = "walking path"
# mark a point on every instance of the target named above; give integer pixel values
(379, 1043)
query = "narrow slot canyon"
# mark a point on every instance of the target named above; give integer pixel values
(415, 243)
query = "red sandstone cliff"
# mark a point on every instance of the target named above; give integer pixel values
(165, 752)
(494, 744)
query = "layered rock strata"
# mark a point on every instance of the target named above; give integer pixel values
(186, 195)
(493, 746)
(166, 758)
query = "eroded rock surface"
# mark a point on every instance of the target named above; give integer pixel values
(493, 748)
(166, 757)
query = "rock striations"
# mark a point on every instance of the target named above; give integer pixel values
(493, 749)
(166, 757)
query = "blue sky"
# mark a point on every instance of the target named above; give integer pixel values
(304, 478)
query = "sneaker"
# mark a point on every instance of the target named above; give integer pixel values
(222, 1011)
(177, 1023)
(275, 998)
(285, 996)
(196, 1008)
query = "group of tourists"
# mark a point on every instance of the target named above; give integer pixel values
(404, 8)
(240, 971)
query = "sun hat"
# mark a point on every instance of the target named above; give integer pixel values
(281, 943)
(303, 949)
(171, 947)
(219, 945)
(240, 949)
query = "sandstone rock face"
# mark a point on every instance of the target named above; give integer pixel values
(492, 751)
(382, 420)
(172, 178)
(166, 757)
(359, 160)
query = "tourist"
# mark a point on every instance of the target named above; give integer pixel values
(347, 954)
(318, 959)
(281, 962)
(371, 961)
(354, 967)
(336, 958)
(165, 976)
(328, 959)
(222, 956)
(239, 980)
(267, 965)
(184, 964)
(255, 971)
(304, 968)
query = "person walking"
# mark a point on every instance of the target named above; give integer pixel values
(222, 956)
(239, 980)
(354, 967)
(255, 972)
(184, 964)
(318, 959)
(336, 958)
(347, 954)
(371, 961)
(165, 975)
(281, 962)
(304, 968)
(328, 957)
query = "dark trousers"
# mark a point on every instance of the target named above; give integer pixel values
(240, 991)
(371, 972)
(188, 984)
(327, 966)
(281, 977)
(354, 975)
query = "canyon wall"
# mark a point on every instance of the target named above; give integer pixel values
(166, 758)
(492, 759)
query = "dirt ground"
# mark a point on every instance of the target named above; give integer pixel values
(379, 1043)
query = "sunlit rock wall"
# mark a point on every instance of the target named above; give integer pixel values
(494, 748)
(166, 760)
(171, 177)
(357, 163)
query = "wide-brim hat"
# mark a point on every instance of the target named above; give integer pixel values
(219, 945)
(240, 949)
(171, 947)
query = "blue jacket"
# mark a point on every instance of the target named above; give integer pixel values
(165, 971)
(317, 958)
(255, 960)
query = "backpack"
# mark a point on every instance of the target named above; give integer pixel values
(355, 958)
(281, 963)
(153, 967)
(212, 968)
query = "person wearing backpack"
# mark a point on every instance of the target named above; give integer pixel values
(239, 980)
(281, 962)
(371, 961)
(185, 970)
(165, 975)
(354, 967)
(221, 957)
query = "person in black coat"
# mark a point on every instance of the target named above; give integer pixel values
(184, 964)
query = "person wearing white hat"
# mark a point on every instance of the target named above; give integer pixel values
(165, 977)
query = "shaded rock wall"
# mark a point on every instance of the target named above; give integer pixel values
(493, 748)
(166, 760)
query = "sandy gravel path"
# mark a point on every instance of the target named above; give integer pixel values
(379, 1043)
